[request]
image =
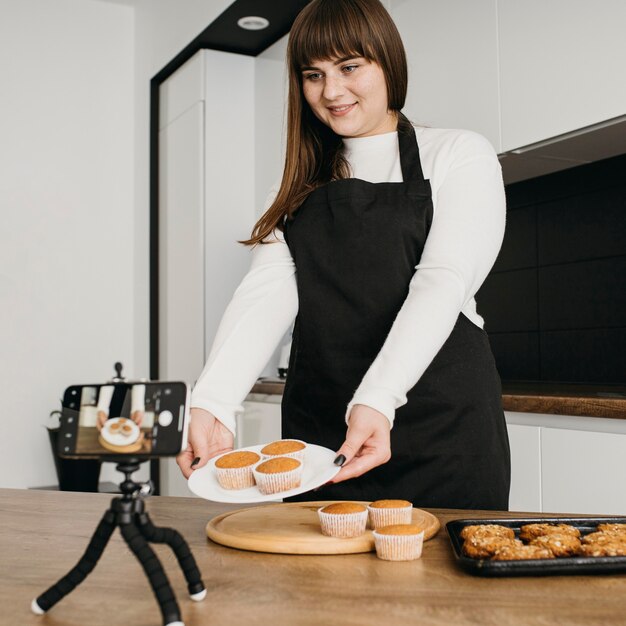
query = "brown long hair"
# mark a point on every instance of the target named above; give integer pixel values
(323, 30)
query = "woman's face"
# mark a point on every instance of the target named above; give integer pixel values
(349, 95)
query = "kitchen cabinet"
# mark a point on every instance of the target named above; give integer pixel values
(206, 204)
(525, 442)
(567, 464)
(260, 422)
(582, 472)
(561, 67)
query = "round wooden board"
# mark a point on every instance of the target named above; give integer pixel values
(293, 528)
(129, 449)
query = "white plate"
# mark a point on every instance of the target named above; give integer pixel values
(318, 470)
(117, 439)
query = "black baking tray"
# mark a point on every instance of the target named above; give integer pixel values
(575, 565)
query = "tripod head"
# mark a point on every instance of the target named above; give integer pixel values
(129, 488)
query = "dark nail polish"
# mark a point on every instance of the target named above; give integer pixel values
(340, 460)
(195, 461)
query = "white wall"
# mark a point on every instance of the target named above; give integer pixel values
(66, 199)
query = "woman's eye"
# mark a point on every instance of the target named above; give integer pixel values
(313, 76)
(349, 68)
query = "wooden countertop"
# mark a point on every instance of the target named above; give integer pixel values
(43, 533)
(556, 399)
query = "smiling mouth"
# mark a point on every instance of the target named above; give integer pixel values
(342, 109)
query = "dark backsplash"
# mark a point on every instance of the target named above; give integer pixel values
(555, 302)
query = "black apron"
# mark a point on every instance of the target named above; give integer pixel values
(355, 245)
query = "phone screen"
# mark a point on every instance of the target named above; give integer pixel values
(147, 419)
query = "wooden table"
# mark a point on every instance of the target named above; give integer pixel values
(42, 535)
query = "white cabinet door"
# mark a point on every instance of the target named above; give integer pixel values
(583, 472)
(561, 66)
(525, 468)
(181, 246)
(259, 423)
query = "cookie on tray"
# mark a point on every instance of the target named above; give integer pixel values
(521, 553)
(603, 537)
(487, 530)
(485, 547)
(606, 548)
(528, 532)
(559, 544)
(612, 529)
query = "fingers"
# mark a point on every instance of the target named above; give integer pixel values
(102, 418)
(184, 461)
(367, 443)
(208, 437)
(137, 417)
(361, 464)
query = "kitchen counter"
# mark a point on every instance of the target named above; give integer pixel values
(558, 399)
(42, 535)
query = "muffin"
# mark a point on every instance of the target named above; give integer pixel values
(285, 447)
(278, 474)
(389, 512)
(343, 519)
(399, 542)
(234, 470)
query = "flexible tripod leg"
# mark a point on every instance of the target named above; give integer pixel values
(81, 570)
(155, 573)
(177, 543)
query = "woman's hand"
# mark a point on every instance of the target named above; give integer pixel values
(367, 442)
(207, 438)
(101, 421)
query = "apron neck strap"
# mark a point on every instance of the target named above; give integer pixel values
(409, 152)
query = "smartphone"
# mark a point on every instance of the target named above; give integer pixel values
(142, 419)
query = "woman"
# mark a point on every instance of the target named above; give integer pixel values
(391, 230)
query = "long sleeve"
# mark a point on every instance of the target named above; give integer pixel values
(260, 312)
(461, 247)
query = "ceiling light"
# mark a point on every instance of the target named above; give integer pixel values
(253, 22)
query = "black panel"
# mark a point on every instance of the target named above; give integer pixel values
(508, 301)
(521, 194)
(519, 248)
(589, 226)
(580, 250)
(584, 356)
(517, 355)
(588, 294)
(579, 180)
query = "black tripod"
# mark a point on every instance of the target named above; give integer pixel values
(128, 512)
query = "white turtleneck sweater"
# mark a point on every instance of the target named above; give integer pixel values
(461, 247)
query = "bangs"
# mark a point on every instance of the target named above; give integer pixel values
(335, 30)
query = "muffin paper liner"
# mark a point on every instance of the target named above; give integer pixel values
(235, 477)
(343, 525)
(279, 481)
(398, 547)
(380, 517)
